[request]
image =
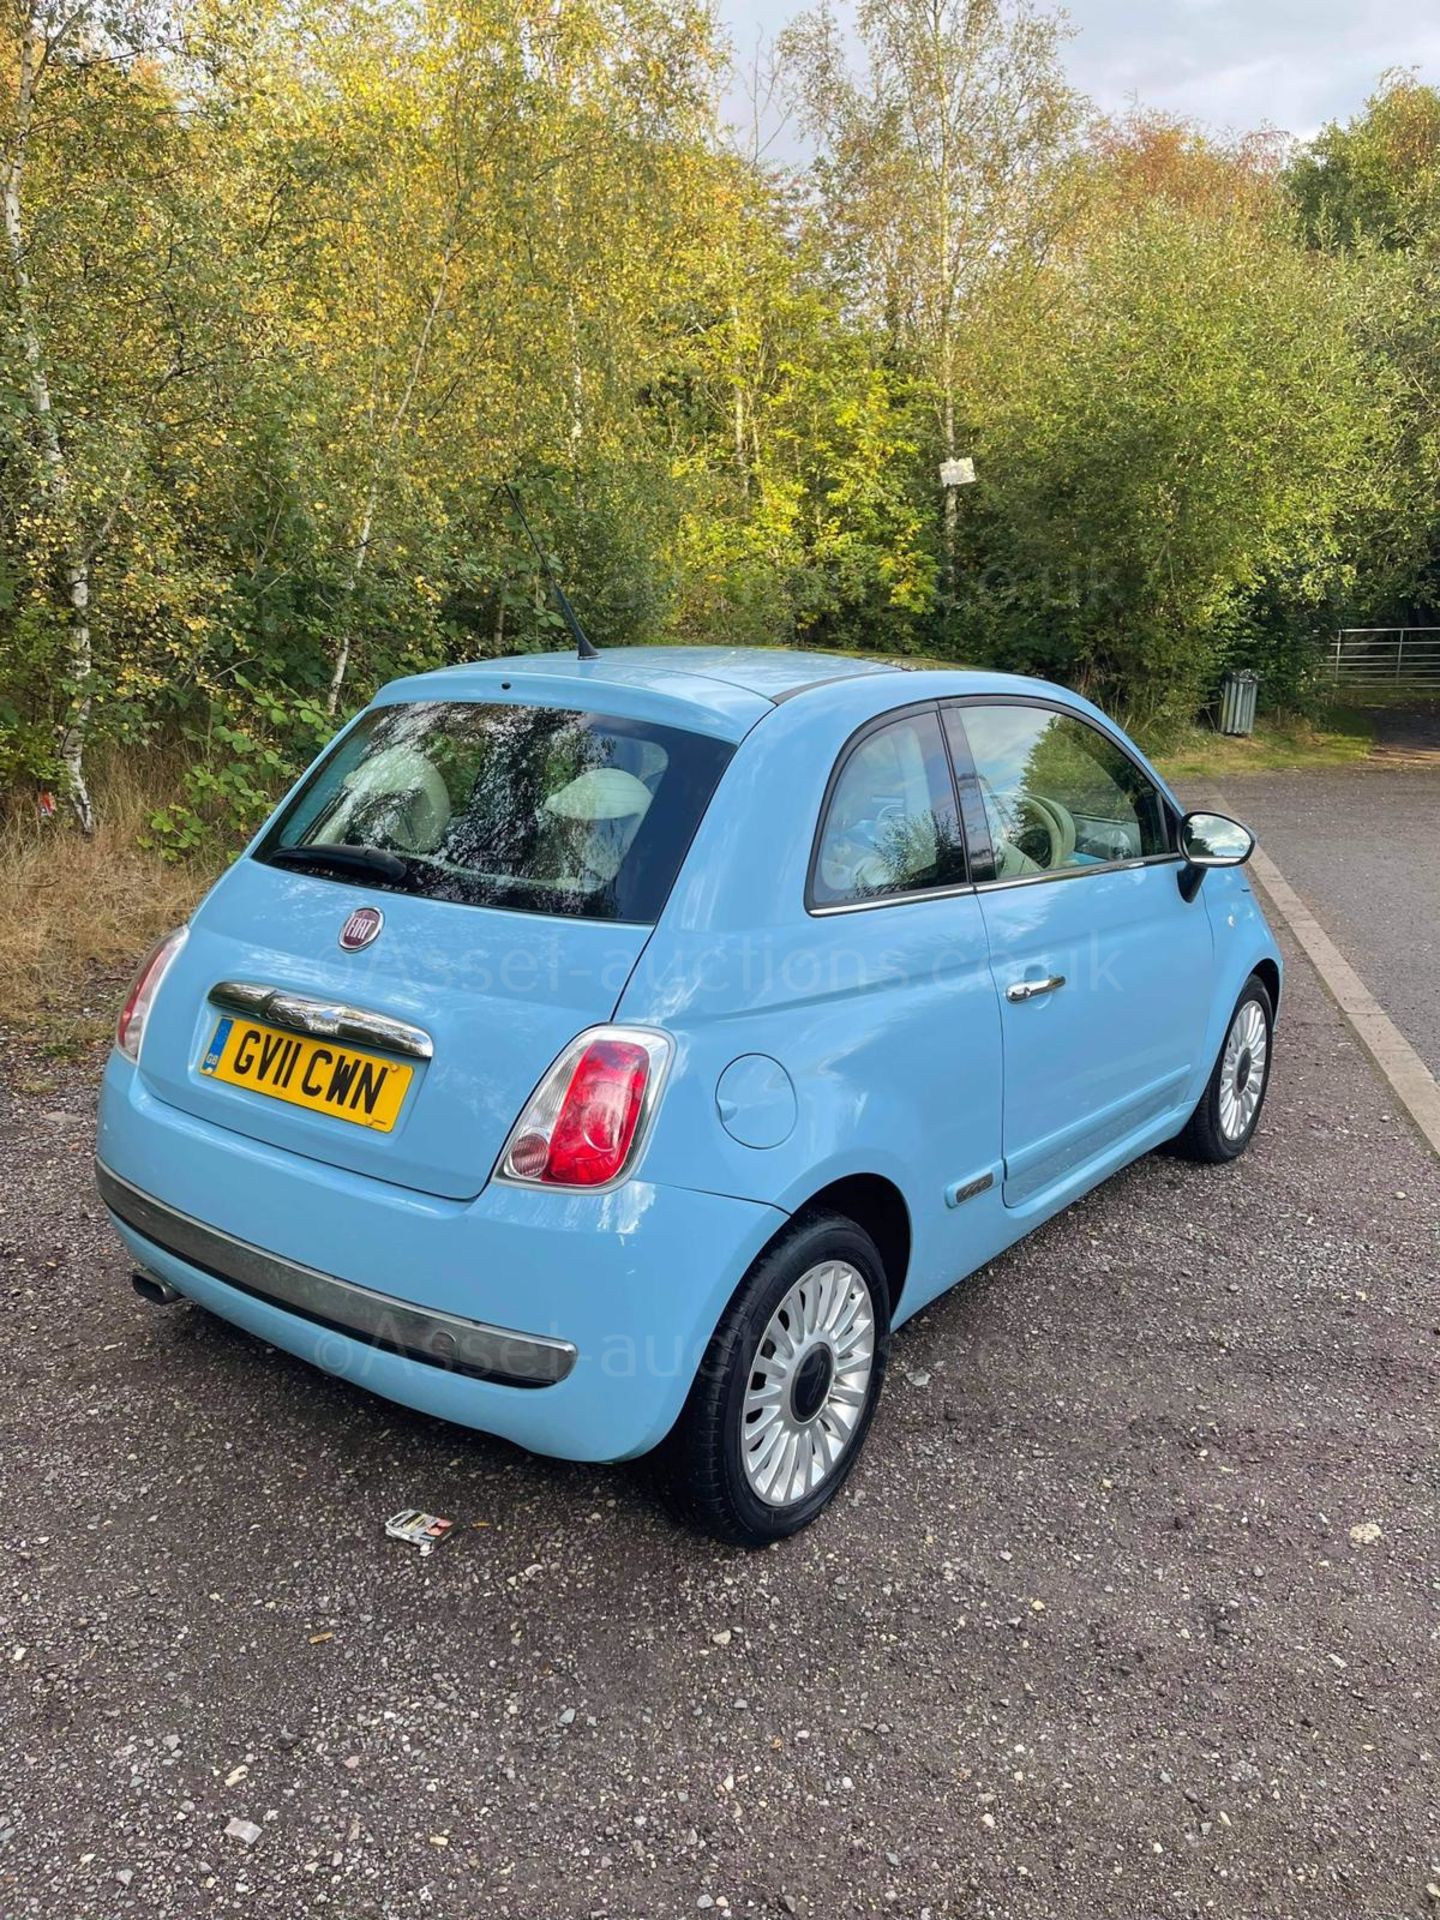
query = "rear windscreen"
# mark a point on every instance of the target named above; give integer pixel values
(538, 809)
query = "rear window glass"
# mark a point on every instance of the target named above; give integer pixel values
(538, 809)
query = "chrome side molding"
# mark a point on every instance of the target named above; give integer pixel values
(959, 1191)
(322, 1019)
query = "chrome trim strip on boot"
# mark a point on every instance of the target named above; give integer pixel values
(322, 1019)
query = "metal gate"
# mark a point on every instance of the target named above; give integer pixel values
(1406, 657)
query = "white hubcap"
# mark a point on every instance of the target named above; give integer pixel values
(1242, 1071)
(808, 1384)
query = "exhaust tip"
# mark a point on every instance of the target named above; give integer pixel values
(158, 1292)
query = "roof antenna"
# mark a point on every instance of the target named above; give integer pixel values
(568, 614)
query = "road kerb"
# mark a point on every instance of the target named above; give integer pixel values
(1412, 1081)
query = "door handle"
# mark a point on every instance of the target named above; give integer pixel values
(1032, 989)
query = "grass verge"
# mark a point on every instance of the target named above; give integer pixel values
(1339, 737)
(77, 914)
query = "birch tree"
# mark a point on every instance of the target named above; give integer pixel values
(937, 163)
(499, 267)
(112, 313)
(39, 36)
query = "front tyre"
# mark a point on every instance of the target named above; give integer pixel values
(1224, 1122)
(789, 1384)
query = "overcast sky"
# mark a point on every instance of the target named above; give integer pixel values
(1233, 64)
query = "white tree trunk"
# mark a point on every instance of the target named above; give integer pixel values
(52, 452)
(72, 744)
(952, 494)
(738, 423)
(577, 380)
(372, 496)
(357, 564)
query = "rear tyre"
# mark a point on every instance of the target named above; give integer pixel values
(782, 1403)
(1224, 1122)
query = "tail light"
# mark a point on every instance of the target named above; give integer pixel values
(585, 1123)
(130, 1027)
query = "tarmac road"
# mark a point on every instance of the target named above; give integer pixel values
(1131, 1609)
(1361, 846)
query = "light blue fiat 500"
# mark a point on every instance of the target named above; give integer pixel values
(608, 1053)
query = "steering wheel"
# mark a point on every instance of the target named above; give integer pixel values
(1048, 827)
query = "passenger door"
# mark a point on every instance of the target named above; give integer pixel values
(830, 993)
(1102, 968)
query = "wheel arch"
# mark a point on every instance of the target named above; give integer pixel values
(1268, 972)
(879, 1208)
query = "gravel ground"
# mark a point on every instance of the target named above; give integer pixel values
(1131, 1609)
(1409, 733)
(1359, 845)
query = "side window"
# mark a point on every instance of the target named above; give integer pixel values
(889, 825)
(1056, 793)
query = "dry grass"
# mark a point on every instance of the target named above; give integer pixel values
(77, 914)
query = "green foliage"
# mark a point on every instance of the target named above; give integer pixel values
(30, 700)
(1367, 198)
(1375, 182)
(305, 284)
(255, 744)
(1190, 424)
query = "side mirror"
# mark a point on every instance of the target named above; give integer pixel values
(1211, 840)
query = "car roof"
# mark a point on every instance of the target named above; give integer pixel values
(717, 690)
(773, 672)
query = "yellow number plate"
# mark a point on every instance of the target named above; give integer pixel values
(319, 1074)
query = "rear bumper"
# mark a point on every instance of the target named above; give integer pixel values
(421, 1334)
(613, 1295)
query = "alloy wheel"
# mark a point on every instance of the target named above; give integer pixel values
(808, 1384)
(1242, 1070)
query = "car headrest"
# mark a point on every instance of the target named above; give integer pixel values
(603, 793)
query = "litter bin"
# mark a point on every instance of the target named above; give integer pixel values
(1237, 702)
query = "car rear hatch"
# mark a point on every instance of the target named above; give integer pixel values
(514, 856)
(498, 995)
